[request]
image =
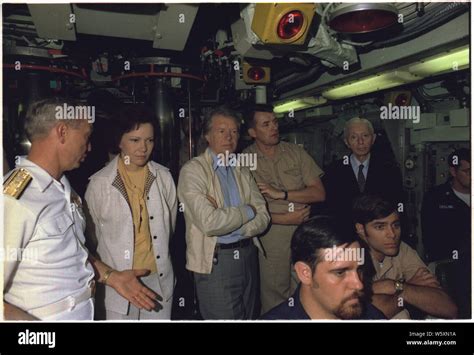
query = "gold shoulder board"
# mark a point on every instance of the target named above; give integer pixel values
(17, 183)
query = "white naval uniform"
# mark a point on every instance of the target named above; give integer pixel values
(48, 227)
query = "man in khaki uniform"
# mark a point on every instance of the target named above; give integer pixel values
(399, 275)
(289, 179)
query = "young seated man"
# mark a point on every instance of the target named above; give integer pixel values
(329, 264)
(400, 277)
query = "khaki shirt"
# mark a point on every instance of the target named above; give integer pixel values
(290, 169)
(404, 265)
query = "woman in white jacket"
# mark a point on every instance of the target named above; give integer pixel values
(132, 203)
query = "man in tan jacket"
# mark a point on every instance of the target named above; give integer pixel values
(224, 211)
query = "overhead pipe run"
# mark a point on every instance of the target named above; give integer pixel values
(158, 74)
(286, 84)
(81, 75)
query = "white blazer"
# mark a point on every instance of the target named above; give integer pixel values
(108, 205)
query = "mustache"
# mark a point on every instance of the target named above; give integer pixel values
(356, 295)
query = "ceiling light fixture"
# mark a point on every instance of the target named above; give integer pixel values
(362, 18)
(453, 60)
(299, 104)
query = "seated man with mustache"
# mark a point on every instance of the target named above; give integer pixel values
(399, 276)
(329, 264)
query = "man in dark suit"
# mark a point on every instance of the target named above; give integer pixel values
(360, 173)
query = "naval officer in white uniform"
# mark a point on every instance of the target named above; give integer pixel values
(49, 274)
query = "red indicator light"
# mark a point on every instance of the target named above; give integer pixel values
(290, 24)
(256, 73)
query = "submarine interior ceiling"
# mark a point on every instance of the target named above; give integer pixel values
(318, 64)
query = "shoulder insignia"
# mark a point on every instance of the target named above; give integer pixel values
(17, 183)
(76, 199)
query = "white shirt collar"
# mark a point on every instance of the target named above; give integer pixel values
(355, 162)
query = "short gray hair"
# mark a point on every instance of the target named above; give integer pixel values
(220, 111)
(41, 116)
(357, 120)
